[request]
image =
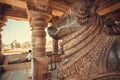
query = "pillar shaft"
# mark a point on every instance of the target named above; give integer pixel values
(38, 40)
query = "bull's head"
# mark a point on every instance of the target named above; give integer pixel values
(76, 17)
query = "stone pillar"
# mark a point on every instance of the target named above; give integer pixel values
(37, 18)
(55, 46)
(54, 54)
(1, 39)
(2, 24)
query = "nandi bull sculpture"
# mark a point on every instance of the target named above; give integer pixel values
(87, 43)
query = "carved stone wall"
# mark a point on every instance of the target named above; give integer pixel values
(85, 50)
(86, 43)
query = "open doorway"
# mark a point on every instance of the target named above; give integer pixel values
(16, 37)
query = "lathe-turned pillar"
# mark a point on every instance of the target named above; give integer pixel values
(38, 21)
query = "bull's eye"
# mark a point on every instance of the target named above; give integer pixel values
(88, 9)
(83, 9)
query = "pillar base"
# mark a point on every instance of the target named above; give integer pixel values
(41, 66)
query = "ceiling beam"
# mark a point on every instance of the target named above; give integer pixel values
(111, 8)
(22, 4)
(59, 6)
(16, 14)
(17, 3)
(55, 6)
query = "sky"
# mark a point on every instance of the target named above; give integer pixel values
(17, 30)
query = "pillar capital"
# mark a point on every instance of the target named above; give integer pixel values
(38, 15)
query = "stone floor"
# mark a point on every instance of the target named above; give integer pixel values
(23, 74)
(16, 75)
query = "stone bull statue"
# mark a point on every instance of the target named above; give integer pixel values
(90, 44)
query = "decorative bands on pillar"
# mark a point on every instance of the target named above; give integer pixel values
(38, 22)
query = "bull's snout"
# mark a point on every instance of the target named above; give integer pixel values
(52, 33)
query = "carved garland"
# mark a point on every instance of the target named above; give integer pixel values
(76, 65)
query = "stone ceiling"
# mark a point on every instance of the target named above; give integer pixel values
(17, 9)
